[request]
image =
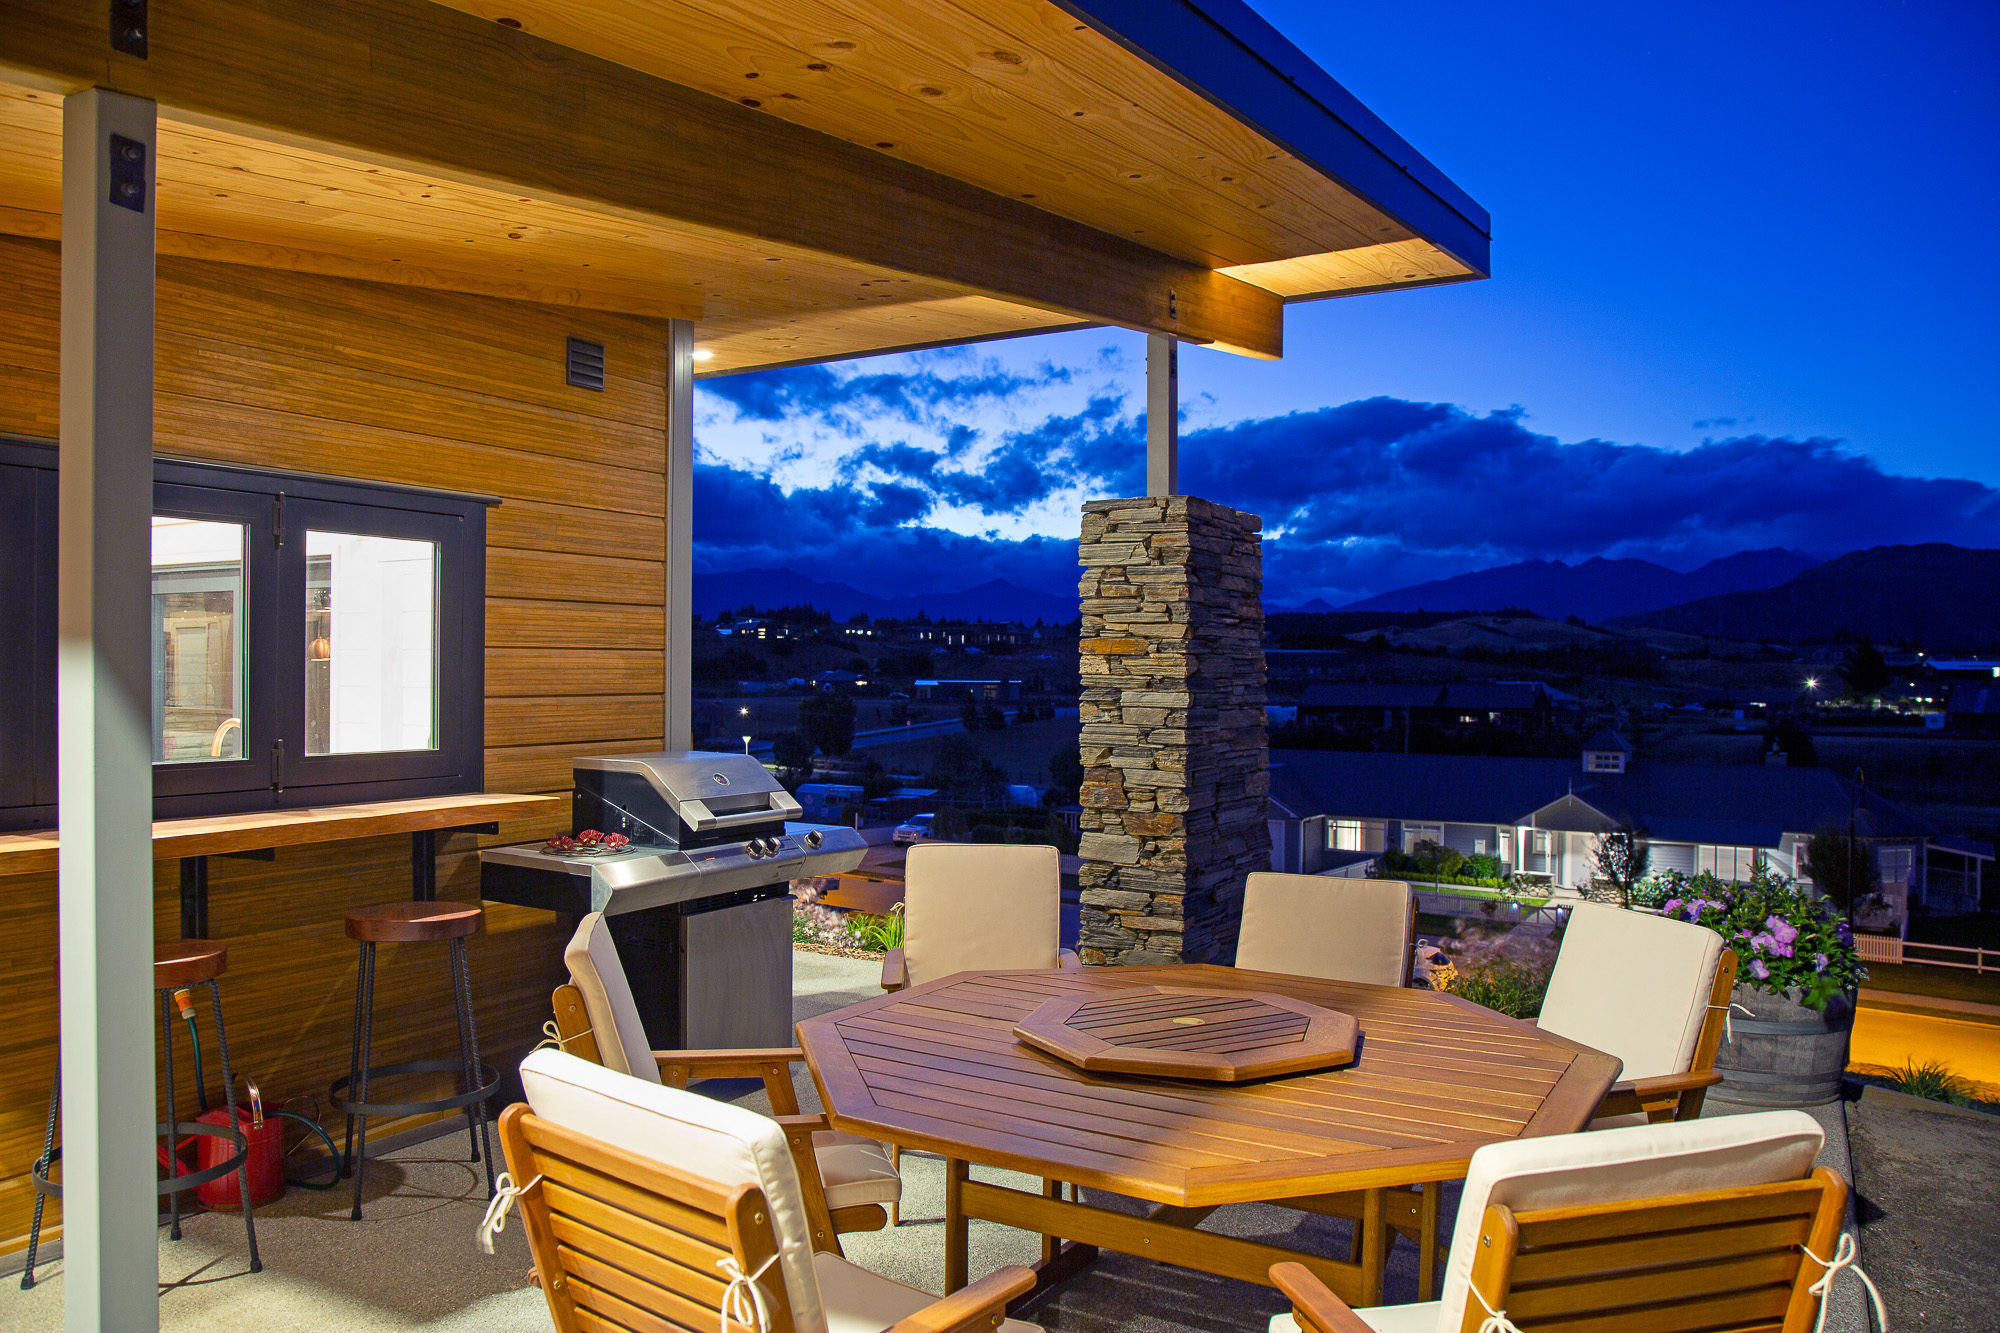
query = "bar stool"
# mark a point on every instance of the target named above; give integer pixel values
(413, 923)
(178, 966)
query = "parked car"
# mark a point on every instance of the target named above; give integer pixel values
(918, 829)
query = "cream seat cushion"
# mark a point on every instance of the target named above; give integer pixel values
(699, 1135)
(852, 1170)
(968, 906)
(1563, 1170)
(858, 1300)
(1633, 985)
(1382, 1318)
(1319, 926)
(599, 976)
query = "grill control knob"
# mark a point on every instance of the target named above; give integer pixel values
(756, 848)
(772, 846)
(814, 839)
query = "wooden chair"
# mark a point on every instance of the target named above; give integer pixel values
(1654, 993)
(976, 907)
(856, 1178)
(1362, 930)
(649, 1207)
(1671, 1228)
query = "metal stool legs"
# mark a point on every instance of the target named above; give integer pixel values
(476, 1080)
(41, 1172)
(176, 1183)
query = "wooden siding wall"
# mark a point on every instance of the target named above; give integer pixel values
(392, 384)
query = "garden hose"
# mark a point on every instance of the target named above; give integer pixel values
(332, 1153)
(185, 999)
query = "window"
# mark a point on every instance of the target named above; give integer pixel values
(1897, 864)
(313, 641)
(1727, 863)
(1416, 833)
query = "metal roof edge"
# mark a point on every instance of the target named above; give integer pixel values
(1259, 76)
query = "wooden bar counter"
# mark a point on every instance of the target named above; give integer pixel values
(276, 895)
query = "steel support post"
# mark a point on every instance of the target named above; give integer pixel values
(679, 726)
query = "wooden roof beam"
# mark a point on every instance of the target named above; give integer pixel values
(413, 84)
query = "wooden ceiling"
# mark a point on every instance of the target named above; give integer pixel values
(1043, 114)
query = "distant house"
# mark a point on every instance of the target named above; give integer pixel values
(1543, 818)
(829, 682)
(995, 691)
(1974, 707)
(1520, 704)
(983, 635)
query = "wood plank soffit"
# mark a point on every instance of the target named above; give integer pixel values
(407, 83)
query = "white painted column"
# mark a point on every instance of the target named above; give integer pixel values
(104, 714)
(680, 536)
(1163, 415)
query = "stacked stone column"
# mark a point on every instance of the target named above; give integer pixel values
(1174, 750)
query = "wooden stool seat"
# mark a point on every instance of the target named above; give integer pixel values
(413, 923)
(178, 963)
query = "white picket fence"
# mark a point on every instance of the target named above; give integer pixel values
(1889, 949)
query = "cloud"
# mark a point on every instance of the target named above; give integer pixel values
(968, 470)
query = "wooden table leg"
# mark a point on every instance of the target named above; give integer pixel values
(1427, 1242)
(957, 1237)
(1051, 1245)
(1374, 1246)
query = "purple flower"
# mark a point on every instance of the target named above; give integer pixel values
(1758, 970)
(1844, 935)
(1671, 906)
(1764, 942)
(1819, 962)
(1784, 931)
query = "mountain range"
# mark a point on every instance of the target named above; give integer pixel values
(1596, 590)
(1941, 596)
(767, 589)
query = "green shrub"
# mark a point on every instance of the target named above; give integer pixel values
(1480, 865)
(1934, 1081)
(1504, 986)
(877, 933)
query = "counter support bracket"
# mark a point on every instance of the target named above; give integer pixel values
(194, 897)
(423, 857)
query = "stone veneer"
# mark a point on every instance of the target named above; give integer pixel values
(1174, 752)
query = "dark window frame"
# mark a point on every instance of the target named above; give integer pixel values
(277, 509)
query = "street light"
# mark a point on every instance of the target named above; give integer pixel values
(746, 745)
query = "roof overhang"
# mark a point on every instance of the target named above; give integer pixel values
(809, 179)
(1570, 814)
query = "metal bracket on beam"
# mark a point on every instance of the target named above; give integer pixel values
(423, 857)
(128, 27)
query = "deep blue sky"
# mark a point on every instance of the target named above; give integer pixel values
(1744, 295)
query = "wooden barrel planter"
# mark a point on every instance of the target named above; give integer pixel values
(1782, 1053)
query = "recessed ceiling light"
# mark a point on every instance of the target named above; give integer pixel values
(703, 354)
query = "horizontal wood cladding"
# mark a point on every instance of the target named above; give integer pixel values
(404, 385)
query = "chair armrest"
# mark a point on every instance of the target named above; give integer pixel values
(978, 1306)
(1635, 1096)
(1067, 960)
(894, 975)
(799, 1130)
(1317, 1309)
(772, 1064)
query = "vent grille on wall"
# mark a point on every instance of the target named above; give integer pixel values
(586, 364)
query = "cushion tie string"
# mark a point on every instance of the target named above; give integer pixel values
(505, 1191)
(1725, 1008)
(1845, 1255)
(743, 1299)
(1496, 1320)
(553, 1039)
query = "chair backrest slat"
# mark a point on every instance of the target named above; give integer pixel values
(623, 1243)
(1682, 1263)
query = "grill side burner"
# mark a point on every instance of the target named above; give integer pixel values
(693, 904)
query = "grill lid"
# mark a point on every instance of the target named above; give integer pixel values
(704, 791)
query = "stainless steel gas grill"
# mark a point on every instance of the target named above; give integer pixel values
(699, 902)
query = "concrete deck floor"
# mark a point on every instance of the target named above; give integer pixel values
(413, 1262)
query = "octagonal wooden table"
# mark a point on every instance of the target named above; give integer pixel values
(938, 1068)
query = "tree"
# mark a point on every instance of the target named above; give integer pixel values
(829, 720)
(1066, 772)
(792, 751)
(1866, 673)
(1844, 870)
(991, 718)
(1622, 858)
